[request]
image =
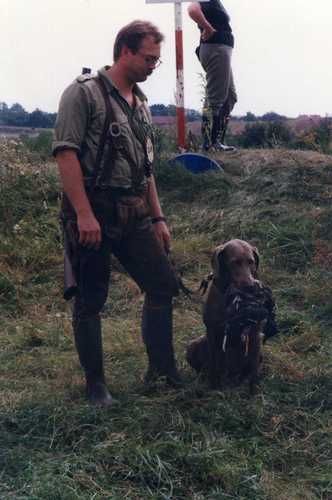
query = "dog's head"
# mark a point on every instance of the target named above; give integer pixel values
(235, 262)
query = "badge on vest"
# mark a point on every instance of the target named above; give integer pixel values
(149, 149)
(115, 129)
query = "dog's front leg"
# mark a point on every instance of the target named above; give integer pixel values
(216, 366)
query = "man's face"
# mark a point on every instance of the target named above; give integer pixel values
(141, 64)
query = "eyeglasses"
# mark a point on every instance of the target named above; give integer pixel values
(151, 60)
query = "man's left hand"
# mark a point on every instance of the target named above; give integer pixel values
(163, 235)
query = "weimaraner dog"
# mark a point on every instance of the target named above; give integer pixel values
(236, 312)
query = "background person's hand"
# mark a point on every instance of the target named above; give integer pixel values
(207, 33)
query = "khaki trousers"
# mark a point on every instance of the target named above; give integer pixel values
(220, 88)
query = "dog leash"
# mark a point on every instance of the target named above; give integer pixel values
(187, 292)
(205, 283)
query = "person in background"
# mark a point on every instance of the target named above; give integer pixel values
(215, 54)
(104, 150)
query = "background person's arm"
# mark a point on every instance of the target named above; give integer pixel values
(197, 15)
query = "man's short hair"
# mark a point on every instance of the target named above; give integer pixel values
(132, 35)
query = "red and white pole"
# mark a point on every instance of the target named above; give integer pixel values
(180, 114)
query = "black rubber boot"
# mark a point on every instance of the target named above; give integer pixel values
(218, 132)
(216, 128)
(157, 335)
(88, 341)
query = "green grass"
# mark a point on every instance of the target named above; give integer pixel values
(164, 444)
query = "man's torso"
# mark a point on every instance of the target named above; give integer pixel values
(80, 123)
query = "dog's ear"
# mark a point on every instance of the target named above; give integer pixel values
(215, 263)
(220, 267)
(256, 256)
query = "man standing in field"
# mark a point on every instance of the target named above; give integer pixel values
(104, 150)
(215, 53)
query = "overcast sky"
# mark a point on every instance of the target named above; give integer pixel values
(281, 62)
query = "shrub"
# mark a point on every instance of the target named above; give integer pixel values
(254, 136)
(163, 142)
(269, 134)
(26, 194)
(42, 144)
(323, 134)
(8, 299)
(318, 138)
(182, 184)
(278, 134)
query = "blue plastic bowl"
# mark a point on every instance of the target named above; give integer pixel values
(195, 163)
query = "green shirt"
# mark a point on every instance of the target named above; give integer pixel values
(80, 123)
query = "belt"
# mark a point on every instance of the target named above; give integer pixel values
(121, 191)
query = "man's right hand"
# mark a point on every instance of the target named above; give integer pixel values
(89, 231)
(73, 185)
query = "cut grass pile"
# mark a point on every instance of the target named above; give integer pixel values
(164, 444)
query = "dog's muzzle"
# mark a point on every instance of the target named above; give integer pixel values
(248, 308)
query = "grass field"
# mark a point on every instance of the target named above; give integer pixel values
(191, 443)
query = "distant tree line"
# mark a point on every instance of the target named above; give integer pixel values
(268, 130)
(17, 116)
(193, 114)
(271, 116)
